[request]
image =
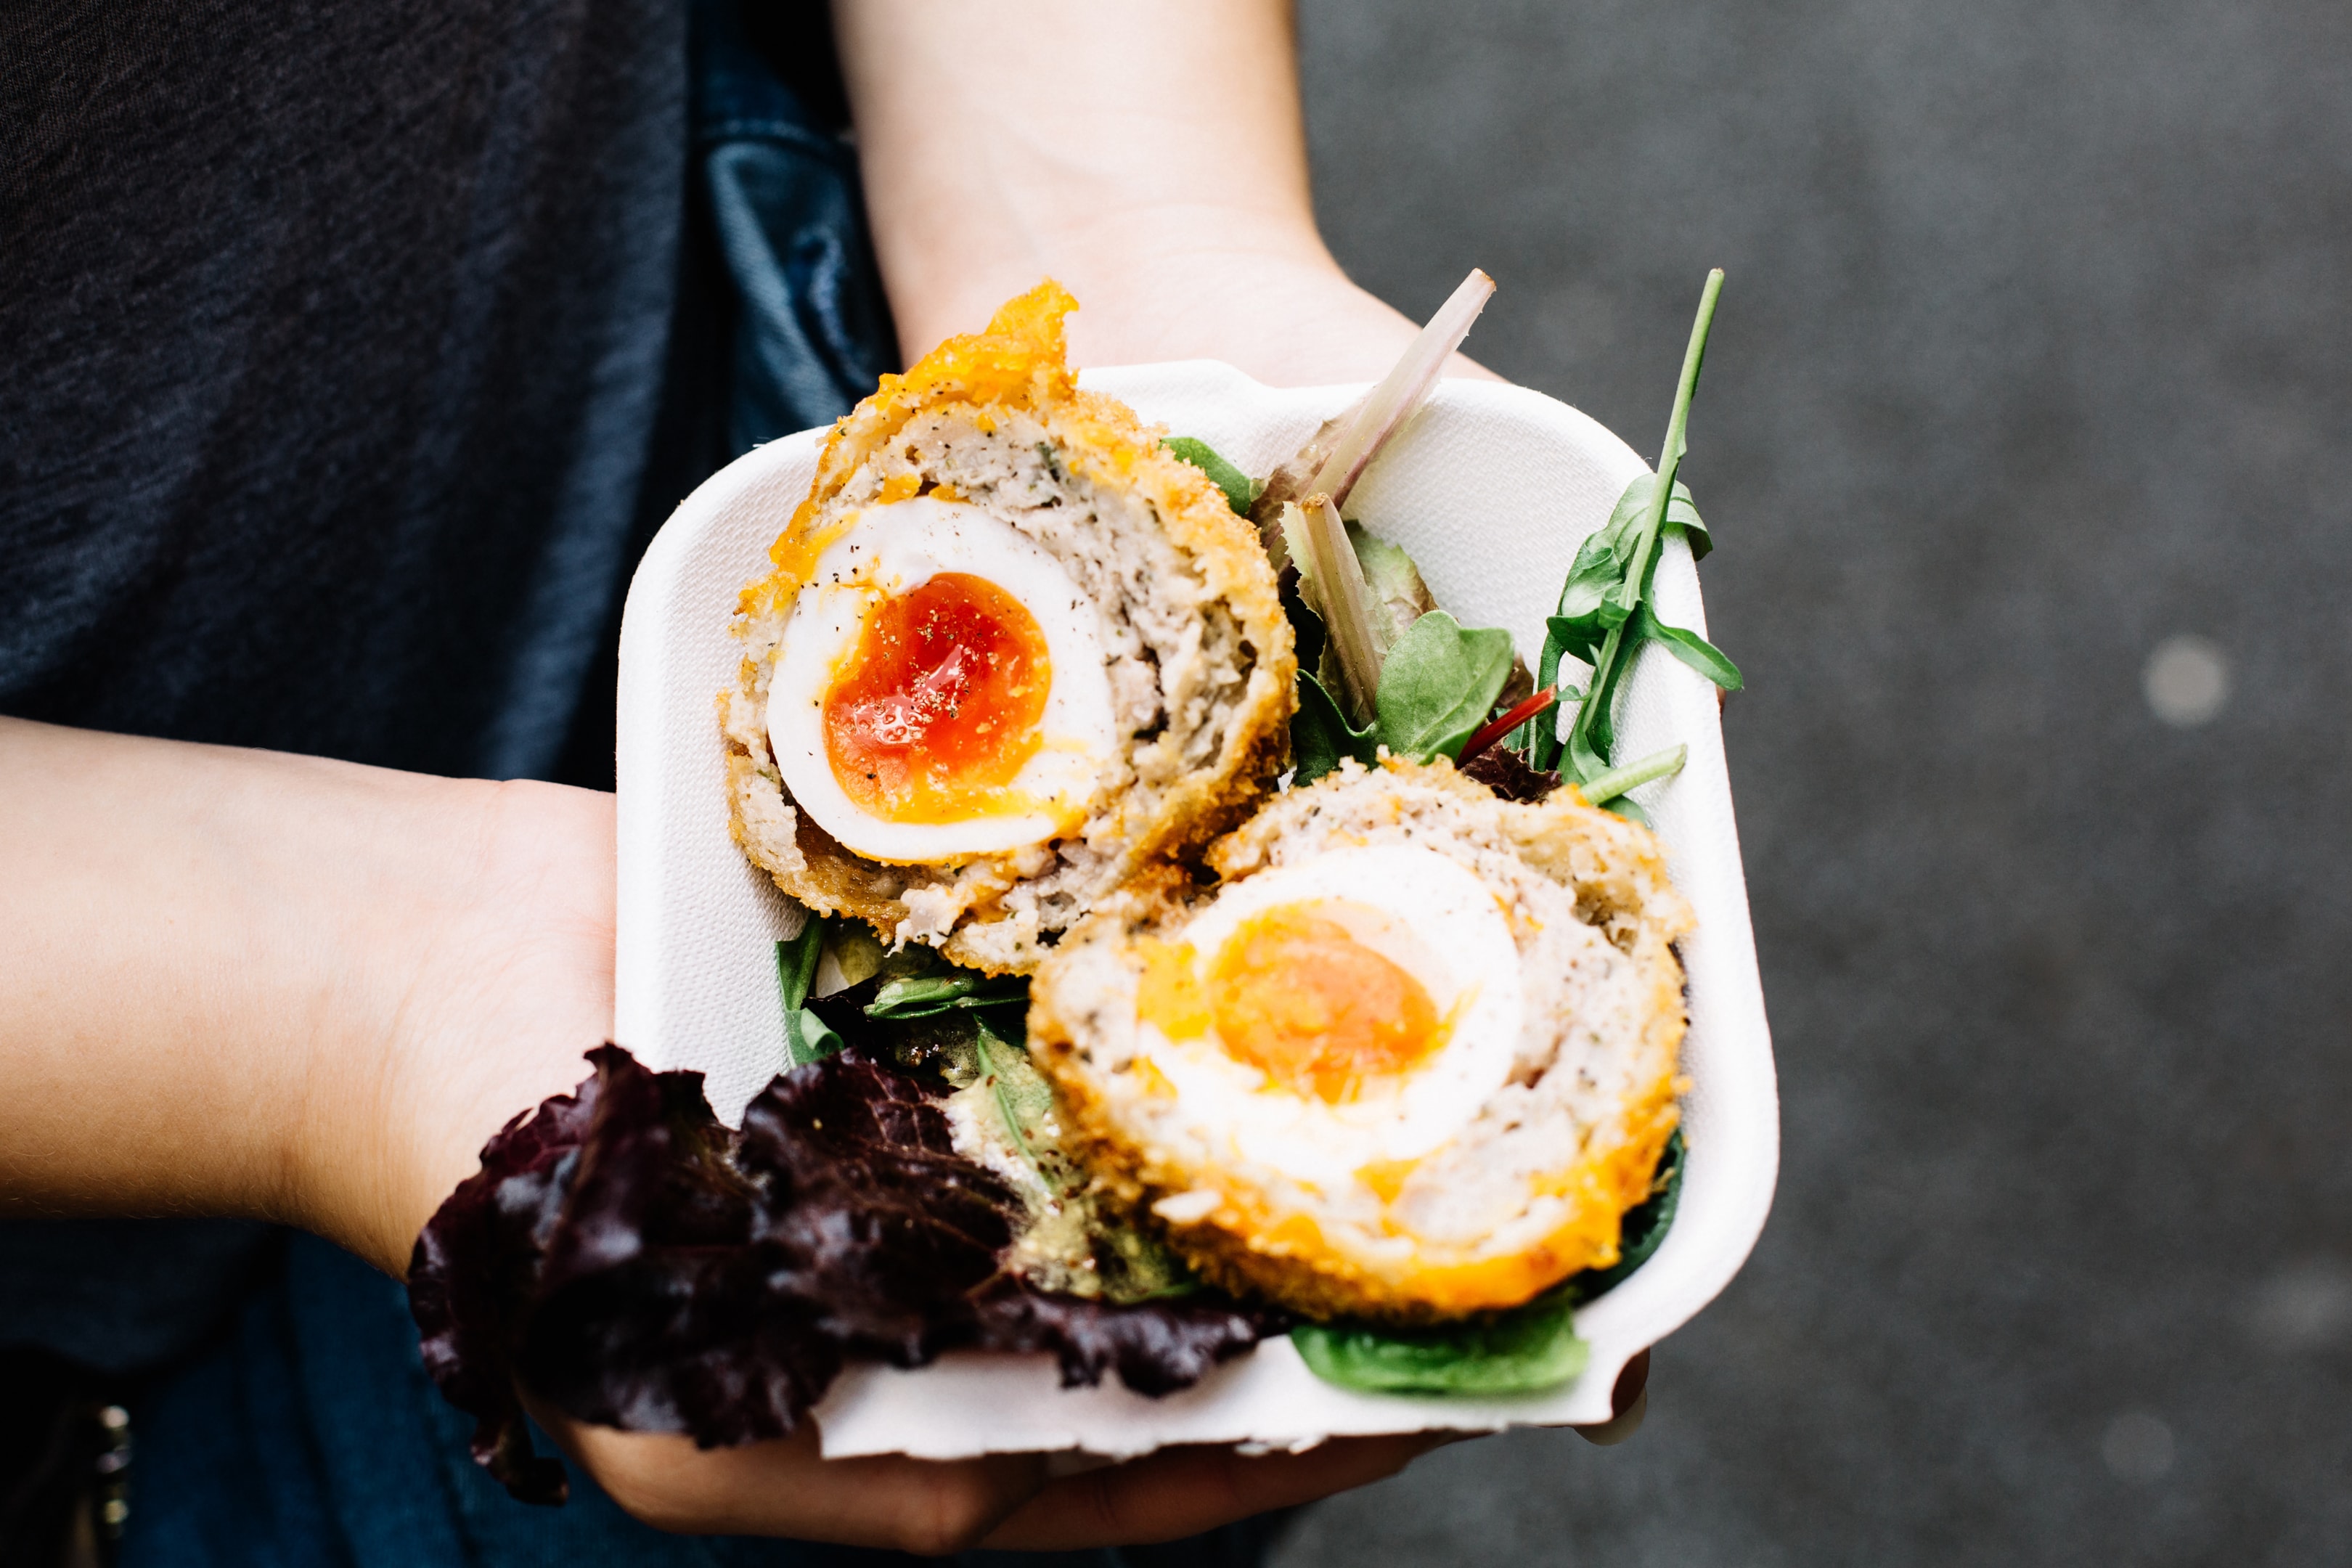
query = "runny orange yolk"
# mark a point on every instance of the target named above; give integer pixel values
(1293, 993)
(935, 709)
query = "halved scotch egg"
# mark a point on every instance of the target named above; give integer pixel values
(1012, 654)
(1412, 1058)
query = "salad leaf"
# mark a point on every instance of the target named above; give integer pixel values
(1601, 618)
(807, 1037)
(1525, 1352)
(1019, 1103)
(635, 1262)
(1691, 648)
(1395, 596)
(1437, 686)
(1597, 597)
(1239, 487)
(921, 995)
(1503, 770)
(1320, 734)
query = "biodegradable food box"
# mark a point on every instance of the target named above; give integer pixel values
(1490, 488)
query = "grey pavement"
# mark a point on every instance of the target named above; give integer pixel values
(2026, 439)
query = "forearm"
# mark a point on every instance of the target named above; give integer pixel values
(1149, 155)
(234, 982)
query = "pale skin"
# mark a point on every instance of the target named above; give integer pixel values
(245, 983)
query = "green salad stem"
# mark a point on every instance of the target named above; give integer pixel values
(1609, 785)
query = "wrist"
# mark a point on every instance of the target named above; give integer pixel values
(479, 975)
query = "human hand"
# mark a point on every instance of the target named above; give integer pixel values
(235, 982)
(1150, 156)
(1002, 1502)
(930, 1507)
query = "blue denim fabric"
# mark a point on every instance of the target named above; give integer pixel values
(812, 332)
(313, 1436)
(312, 1439)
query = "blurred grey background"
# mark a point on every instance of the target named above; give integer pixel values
(2026, 439)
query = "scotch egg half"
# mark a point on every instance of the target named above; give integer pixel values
(1012, 653)
(1411, 1059)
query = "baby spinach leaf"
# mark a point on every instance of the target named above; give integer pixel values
(1524, 1351)
(1239, 487)
(1320, 734)
(807, 1037)
(1437, 686)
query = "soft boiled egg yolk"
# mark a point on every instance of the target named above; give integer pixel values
(938, 707)
(1322, 1017)
(941, 690)
(1297, 995)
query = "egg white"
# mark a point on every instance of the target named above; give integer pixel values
(892, 550)
(1437, 921)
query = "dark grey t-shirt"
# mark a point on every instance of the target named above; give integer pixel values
(333, 332)
(332, 338)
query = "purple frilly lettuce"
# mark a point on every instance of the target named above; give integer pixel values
(634, 1262)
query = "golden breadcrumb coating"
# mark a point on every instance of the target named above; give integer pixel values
(1569, 1145)
(996, 418)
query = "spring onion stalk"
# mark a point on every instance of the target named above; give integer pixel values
(1356, 438)
(1347, 605)
(1401, 392)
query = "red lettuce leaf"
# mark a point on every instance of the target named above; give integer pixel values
(1506, 772)
(633, 1262)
